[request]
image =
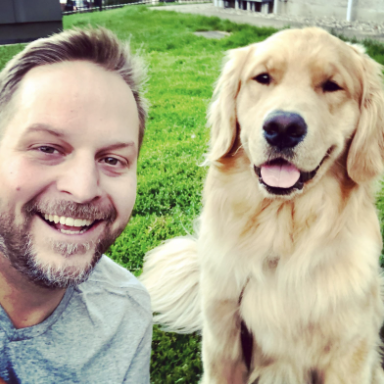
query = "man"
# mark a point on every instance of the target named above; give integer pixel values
(71, 122)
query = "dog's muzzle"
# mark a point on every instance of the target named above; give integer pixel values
(283, 131)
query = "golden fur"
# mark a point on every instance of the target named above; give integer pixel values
(307, 261)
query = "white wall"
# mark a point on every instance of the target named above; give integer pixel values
(363, 10)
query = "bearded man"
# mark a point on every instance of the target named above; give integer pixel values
(71, 122)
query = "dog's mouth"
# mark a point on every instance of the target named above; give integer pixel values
(280, 177)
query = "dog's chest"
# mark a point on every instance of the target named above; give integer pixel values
(285, 307)
(279, 315)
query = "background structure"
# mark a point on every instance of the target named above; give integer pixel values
(363, 10)
(26, 20)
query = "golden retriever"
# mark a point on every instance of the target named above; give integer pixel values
(289, 241)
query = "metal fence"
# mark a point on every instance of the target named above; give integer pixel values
(78, 6)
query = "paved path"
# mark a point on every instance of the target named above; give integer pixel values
(359, 30)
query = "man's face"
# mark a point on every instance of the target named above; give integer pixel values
(67, 170)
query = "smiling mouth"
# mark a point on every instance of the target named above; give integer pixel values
(280, 177)
(68, 225)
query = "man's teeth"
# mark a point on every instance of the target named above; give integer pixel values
(67, 232)
(70, 221)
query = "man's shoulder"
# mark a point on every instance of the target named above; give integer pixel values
(101, 331)
(110, 274)
(109, 281)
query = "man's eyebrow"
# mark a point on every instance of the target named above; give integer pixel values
(59, 133)
(119, 145)
(45, 128)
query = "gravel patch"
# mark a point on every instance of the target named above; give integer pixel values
(212, 34)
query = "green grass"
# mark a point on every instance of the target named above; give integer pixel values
(182, 69)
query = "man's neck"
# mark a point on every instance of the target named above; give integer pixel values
(25, 303)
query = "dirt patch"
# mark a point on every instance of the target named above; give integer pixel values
(212, 34)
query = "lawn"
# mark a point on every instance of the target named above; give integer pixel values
(182, 69)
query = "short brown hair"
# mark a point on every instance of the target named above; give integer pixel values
(99, 46)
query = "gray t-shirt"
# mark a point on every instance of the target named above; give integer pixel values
(100, 333)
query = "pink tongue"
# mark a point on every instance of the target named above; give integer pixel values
(280, 175)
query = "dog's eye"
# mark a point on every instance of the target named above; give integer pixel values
(331, 86)
(263, 78)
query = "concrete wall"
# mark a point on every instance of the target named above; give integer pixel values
(362, 10)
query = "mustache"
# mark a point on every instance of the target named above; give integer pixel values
(89, 211)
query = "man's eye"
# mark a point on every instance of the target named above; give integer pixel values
(47, 149)
(111, 161)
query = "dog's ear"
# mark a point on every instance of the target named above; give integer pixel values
(366, 153)
(222, 112)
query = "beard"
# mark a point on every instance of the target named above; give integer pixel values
(17, 243)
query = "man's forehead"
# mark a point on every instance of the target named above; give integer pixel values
(71, 81)
(76, 96)
(75, 76)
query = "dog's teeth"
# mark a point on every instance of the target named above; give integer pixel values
(50, 217)
(46, 217)
(56, 219)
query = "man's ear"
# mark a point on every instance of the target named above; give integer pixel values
(366, 154)
(222, 112)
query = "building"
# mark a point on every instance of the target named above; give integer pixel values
(362, 10)
(26, 20)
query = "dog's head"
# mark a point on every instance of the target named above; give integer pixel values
(295, 104)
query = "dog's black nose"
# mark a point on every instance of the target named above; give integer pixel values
(284, 129)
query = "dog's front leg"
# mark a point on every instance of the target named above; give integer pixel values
(222, 354)
(359, 365)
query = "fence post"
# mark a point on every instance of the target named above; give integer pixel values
(276, 6)
(264, 8)
(98, 4)
(349, 10)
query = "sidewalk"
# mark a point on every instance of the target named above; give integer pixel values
(356, 29)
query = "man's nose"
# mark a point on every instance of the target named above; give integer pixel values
(80, 179)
